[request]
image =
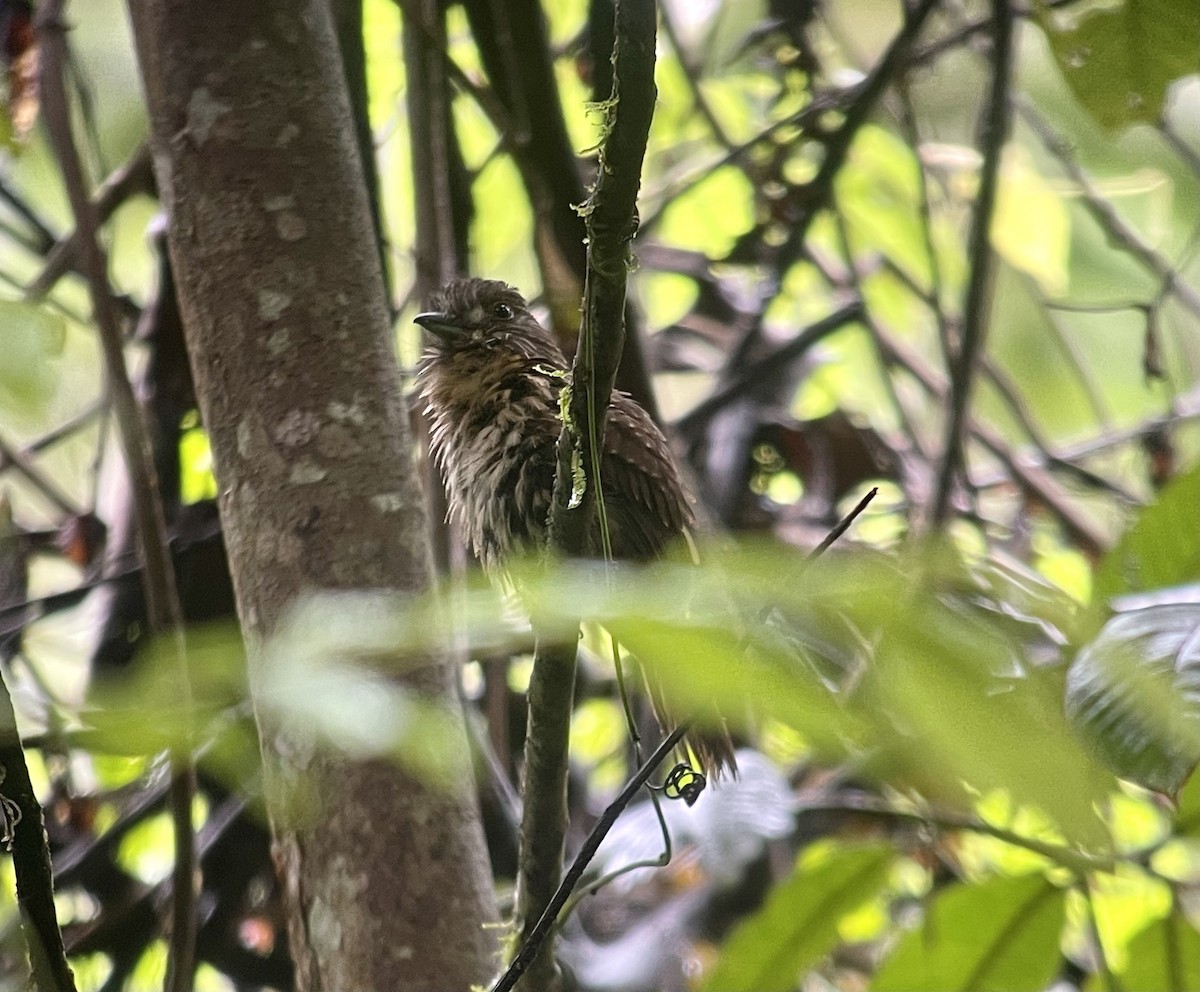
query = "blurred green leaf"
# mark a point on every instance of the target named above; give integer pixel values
(1162, 548)
(1120, 58)
(333, 675)
(879, 194)
(932, 693)
(1188, 818)
(953, 706)
(147, 851)
(1135, 692)
(1164, 957)
(141, 710)
(1031, 227)
(712, 214)
(798, 925)
(1122, 902)
(1000, 935)
(196, 479)
(33, 338)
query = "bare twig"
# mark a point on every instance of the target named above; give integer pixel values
(936, 294)
(977, 306)
(1115, 226)
(692, 74)
(11, 457)
(769, 367)
(65, 429)
(853, 281)
(837, 145)
(133, 177)
(1034, 480)
(162, 600)
(43, 237)
(1068, 857)
(843, 525)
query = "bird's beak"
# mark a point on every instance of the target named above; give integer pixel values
(440, 325)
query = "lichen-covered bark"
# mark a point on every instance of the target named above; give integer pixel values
(284, 309)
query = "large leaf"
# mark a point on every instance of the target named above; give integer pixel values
(1001, 935)
(1135, 691)
(1162, 548)
(937, 703)
(1164, 957)
(799, 923)
(1119, 59)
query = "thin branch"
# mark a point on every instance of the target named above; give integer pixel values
(10, 457)
(768, 368)
(162, 600)
(587, 851)
(843, 525)
(692, 74)
(1068, 857)
(978, 304)
(43, 237)
(544, 811)
(1007, 390)
(853, 281)
(1185, 408)
(1033, 480)
(64, 430)
(819, 191)
(21, 821)
(133, 177)
(1109, 218)
(936, 294)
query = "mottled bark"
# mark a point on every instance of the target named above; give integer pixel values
(285, 316)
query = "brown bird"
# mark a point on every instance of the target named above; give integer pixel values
(491, 381)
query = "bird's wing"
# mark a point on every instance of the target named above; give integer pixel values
(644, 501)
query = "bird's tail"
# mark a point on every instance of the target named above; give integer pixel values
(708, 737)
(713, 745)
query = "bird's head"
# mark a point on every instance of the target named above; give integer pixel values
(485, 315)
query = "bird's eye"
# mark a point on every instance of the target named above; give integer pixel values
(503, 311)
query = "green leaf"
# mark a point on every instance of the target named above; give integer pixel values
(1000, 935)
(1187, 819)
(33, 340)
(799, 923)
(1031, 227)
(1120, 59)
(1162, 548)
(1164, 957)
(1135, 691)
(878, 194)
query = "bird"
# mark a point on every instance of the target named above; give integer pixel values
(490, 379)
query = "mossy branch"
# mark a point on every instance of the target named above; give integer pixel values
(611, 215)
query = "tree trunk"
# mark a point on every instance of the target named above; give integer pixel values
(284, 310)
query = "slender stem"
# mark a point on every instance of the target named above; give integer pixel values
(162, 600)
(21, 823)
(977, 306)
